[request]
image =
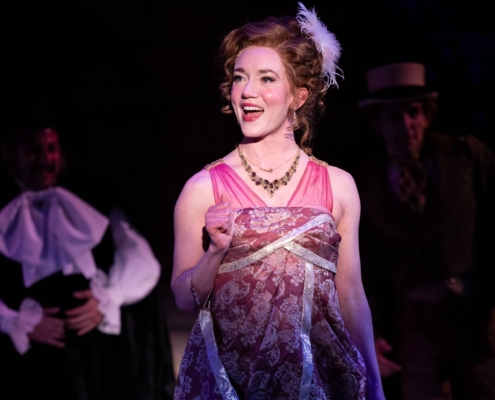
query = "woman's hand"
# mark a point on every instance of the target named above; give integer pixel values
(220, 224)
(50, 330)
(84, 318)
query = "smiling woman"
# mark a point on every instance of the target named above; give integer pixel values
(307, 82)
(261, 96)
(278, 319)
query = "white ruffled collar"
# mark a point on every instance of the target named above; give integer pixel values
(50, 231)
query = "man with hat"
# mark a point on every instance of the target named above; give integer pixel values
(427, 213)
(79, 315)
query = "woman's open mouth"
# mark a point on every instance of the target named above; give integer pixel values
(250, 113)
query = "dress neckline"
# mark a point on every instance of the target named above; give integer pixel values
(246, 186)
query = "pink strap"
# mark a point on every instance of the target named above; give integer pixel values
(314, 188)
(226, 180)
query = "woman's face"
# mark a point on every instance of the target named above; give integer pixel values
(261, 94)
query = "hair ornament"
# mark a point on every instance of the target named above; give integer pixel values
(325, 42)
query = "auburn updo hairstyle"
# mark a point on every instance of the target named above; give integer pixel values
(302, 61)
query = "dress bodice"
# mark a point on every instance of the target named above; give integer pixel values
(314, 188)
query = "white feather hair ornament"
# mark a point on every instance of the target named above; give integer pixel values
(325, 42)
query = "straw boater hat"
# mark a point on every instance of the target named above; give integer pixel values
(403, 81)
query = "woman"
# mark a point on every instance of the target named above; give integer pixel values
(272, 324)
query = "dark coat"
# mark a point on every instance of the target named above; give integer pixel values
(401, 251)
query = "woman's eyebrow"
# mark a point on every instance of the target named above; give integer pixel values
(267, 71)
(260, 71)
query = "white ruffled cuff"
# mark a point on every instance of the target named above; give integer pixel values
(110, 299)
(18, 324)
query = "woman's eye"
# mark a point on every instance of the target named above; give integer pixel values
(237, 78)
(267, 79)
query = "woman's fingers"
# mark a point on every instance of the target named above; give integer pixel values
(218, 222)
(218, 219)
(225, 198)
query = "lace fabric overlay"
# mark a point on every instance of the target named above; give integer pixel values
(274, 330)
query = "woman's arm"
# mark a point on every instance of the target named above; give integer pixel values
(353, 304)
(198, 218)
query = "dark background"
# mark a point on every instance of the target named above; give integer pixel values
(134, 84)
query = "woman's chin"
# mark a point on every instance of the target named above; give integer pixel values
(252, 136)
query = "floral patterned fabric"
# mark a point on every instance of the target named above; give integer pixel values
(277, 329)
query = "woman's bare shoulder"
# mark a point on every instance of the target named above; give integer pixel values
(200, 179)
(344, 190)
(197, 191)
(340, 178)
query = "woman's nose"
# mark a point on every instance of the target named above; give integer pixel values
(249, 90)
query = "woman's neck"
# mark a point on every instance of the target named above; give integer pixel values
(269, 151)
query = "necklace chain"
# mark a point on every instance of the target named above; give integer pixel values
(274, 185)
(270, 170)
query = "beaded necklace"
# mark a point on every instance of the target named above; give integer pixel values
(270, 170)
(274, 185)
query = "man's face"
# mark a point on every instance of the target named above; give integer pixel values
(403, 126)
(36, 159)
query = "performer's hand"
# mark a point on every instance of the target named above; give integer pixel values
(86, 317)
(50, 330)
(387, 367)
(220, 224)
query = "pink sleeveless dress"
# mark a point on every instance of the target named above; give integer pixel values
(272, 328)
